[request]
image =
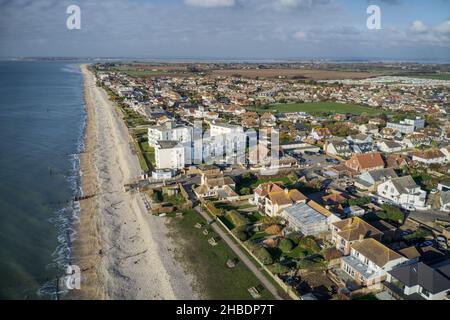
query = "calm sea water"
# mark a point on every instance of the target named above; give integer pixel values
(41, 132)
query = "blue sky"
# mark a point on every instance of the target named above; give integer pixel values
(264, 29)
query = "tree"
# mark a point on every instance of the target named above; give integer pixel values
(286, 245)
(264, 256)
(392, 213)
(245, 191)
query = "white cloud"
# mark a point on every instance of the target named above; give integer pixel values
(418, 27)
(210, 3)
(300, 36)
(443, 28)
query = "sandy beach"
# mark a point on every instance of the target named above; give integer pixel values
(123, 252)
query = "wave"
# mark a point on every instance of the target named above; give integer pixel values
(71, 68)
(66, 220)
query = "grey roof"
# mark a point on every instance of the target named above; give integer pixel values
(391, 144)
(404, 183)
(431, 279)
(379, 175)
(168, 144)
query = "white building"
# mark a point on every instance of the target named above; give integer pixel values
(169, 132)
(407, 126)
(404, 192)
(170, 155)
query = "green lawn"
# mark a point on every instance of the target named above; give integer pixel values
(318, 107)
(148, 153)
(209, 263)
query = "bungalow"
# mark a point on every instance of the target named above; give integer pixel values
(344, 233)
(404, 192)
(370, 261)
(309, 218)
(388, 146)
(419, 281)
(369, 180)
(365, 162)
(429, 157)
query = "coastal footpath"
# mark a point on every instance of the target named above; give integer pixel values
(123, 252)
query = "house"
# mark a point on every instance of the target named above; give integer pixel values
(169, 155)
(404, 192)
(262, 191)
(396, 161)
(344, 233)
(359, 139)
(435, 134)
(334, 198)
(365, 162)
(215, 185)
(429, 157)
(271, 198)
(388, 146)
(368, 129)
(416, 140)
(446, 152)
(338, 148)
(268, 119)
(370, 261)
(387, 133)
(320, 133)
(309, 218)
(418, 281)
(369, 180)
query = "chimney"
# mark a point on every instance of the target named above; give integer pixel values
(361, 237)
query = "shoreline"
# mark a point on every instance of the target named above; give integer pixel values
(123, 252)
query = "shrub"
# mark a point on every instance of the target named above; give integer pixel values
(264, 256)
(277, 268)
(392, 213)
(242, 235)
(236, 218)
(286, 245)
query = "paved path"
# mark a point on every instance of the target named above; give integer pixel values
(242, 256)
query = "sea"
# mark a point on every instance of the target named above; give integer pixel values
(42, 121)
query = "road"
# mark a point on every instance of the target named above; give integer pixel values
(242, 256)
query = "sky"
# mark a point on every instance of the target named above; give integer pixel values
(227, 29)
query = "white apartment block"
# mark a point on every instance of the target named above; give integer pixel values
(169, 132)
(169, 155)
(407, 126)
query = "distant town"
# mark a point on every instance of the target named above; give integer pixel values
(325, 181)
